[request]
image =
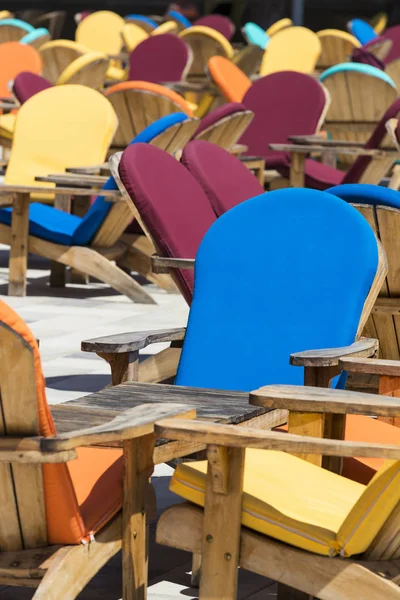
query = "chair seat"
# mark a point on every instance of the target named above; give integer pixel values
(317, 175)
(47, 223)
(97, 479)
(284, 497)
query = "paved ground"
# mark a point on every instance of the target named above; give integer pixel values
(61, 319)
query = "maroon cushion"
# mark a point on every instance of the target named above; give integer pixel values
(393, 33)
(171, 203)
(317, 175)
(28, 84)
(361, 55)
(159, 58)
(225, 180)
(284, 103)
(219, 113)
(360, 164)
(218, 22)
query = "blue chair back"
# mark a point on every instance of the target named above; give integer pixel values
(362, 30)
(357, 68)
(363, 193)
(142, 18)
(255, 35)
(174, 14)
(283, 272)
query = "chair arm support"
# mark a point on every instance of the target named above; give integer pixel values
(160, 264)
(371, 366)
(130, 424)
(319, 140)
(132, 342)
(58, 191)
(330, 357)
(309, 399)
(319, 148)
(92, 170)
(245, 437)
(75, 179)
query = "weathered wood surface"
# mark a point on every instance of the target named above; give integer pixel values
(75, 179)
(372, 366)
(89, 170)
(130, 342)
(161, 264)
(351, 150)
(63, 191)
(330, 357)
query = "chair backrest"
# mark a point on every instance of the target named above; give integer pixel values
(179, 18)
(159, 59)
(254, 34)
(172, 208)
(225, 179)
(294, 49)
(225, 125)
(133, 35)
(45, 141)
(381, 208)
(57, 55)
(248, 59)
(318, 259)
(284, 104)
(148, 25)
(14, 59)
(89, 69)
(218, 22)
(336, 47)
(166, 27)
(379, 47)
(278, 26)
(36, 38)
(105, 222)
(362, 30)
(229, 78)
(379, 22)
(349, 116)
(140, 103)
(392, 34)
(28, 84)
(101, 31)
(12, 30)
(53, 21)
(205, 43)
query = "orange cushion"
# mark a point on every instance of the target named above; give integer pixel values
(14, 59)
(152, 87)
(231, 80)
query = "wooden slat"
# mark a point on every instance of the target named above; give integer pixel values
(128, 342)
(331, 356)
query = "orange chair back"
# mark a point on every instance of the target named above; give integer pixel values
(231, 80)
(14, 59)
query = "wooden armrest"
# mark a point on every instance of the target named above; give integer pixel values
(94, 169)
(29, 450)
(329, 357)
(75, 179)
(130, 424)
(160, 264)
(320, 140)
(58, 191)
(306, 399)
(237, 149)
(246, 437)
(131, 342)
(306, 149)
(371, 366)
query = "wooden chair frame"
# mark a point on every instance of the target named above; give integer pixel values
(91, 75)
(56, 59)
(227, 131)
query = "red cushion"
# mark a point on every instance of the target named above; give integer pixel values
(28, 84)
(218, 22)
(158, 59)
(317, 175)
(392, 33)
(171, 203)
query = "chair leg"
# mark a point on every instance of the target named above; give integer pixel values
(196, 570)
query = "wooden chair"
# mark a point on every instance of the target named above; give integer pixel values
(61, 521)
(205, 43)
(225, 125)
(160, 59)
(90, 70)
(228, 77)
(336, 47)
(278, 26)
(292, 49)
(138, 104)
(133, 35)
(248, 59)
(12, 30)
(53, 21)
(57, 56)
(181, 21)
(166, 27)
(270, 512)
(36, 38)
(220, 23)
(350, 117)
(101, 31)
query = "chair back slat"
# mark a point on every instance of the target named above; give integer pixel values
(226, 132)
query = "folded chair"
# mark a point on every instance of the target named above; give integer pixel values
(101, 31)
(148, 25)
(225, 125)
(60, 512)
(133, 35)
(159, 59)
(278, 26)
(336, 47)
(140, 103)
(28, 84)
(218, 22)
(205, 42)
(254, 34)
(89, 70)
(349, 117)
(12, 30)
(36, 38)
(58, 55)
(362, 30)
(293, 49)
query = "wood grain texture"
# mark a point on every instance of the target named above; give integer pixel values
(372, 366)
(130, 342)
(330, 357)
(161, 264)
(18, 261)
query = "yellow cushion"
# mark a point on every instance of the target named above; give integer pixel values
(7, 124)
(167, 27)
(84, 62)
(292, 49)
(62, 126)
(101, 31)
(284, 497)
(303, 505)
(132, 35)
(278, 26)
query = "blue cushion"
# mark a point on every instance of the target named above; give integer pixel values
(363, 31)
(17, 23)
(34, 35)
(254, 34)
(47, 223)
(363, 193)
(359, 68)
(95, 216)
(179, 17)
(283, 272)
(142, 18)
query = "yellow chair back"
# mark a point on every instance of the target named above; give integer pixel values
(336, 47)
(89, 69)
(132, 35)
(278, 26)
(292, 49)
(57, 55)
(101, 31)
(205, 42)
(167, 27)
(379, 22)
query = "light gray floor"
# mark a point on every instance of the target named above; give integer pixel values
(61, 318)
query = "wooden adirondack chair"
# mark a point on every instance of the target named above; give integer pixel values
(90, 70)
(57, 56)
(220, 23)
(336, 47)
(166, 27)
(53, 21)
(12, 30)
(248, 59)
(292, 49)
(61, 521)
(204, 43)
(350, 117)
(225, 125)
(229, 78)
(138, 104)
(101, 31)
(275, 514)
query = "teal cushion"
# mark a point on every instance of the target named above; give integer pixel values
(17, 23)
(255, 35)
(34, 35)
(358, 68)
